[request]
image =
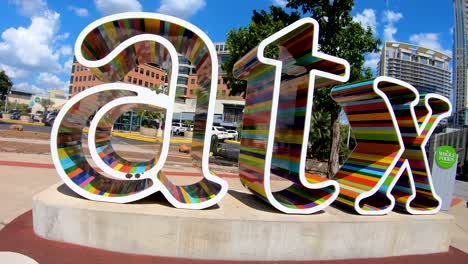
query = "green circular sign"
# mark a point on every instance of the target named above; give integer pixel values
(37, 99)
(446, 157)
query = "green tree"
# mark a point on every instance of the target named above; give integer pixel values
(46, 103)
(23, 109)
(319, 136)
(242, 40)
(342, 37)
(5, 84)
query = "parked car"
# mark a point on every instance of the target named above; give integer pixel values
(178, 128)
(37, 117)
(15, 115)
(232, 134)
(49, 119)
(220, 132)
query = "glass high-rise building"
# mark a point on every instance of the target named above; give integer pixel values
(426, 69)
(460, 62)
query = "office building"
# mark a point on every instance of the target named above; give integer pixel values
(426, 69)
(460, 62)
(152, 76)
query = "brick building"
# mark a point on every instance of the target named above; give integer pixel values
(147, 75)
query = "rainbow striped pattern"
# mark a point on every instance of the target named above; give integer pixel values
(104, 145)
(97, 44)
(392, 125)
(256, 166)
(72, 158)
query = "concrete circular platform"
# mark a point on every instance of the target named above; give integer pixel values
(241, 227)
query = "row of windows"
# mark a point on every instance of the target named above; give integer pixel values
(140, 82)
(419, 59)
(150, 73)
(84, 78)
(79, 68)
(79, 89)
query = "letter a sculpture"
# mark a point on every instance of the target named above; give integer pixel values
(111, 47)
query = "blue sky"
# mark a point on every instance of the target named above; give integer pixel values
(37, 36)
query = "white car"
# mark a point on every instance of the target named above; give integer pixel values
(220, 132)
(178, 128)
(233, 134)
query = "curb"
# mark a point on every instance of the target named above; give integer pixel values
(232, 141)
(138, 137)
(19, 122)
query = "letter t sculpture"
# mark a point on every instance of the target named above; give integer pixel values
(277, 116)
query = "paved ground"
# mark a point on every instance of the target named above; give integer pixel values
(23, 175)
(461, 190)
(5, 125)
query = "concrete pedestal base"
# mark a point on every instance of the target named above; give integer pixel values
(240, 228)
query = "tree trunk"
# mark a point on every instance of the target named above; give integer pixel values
(333, 162)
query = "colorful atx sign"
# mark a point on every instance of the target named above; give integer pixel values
(390, 120)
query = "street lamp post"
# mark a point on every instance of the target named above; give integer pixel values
(6, 100)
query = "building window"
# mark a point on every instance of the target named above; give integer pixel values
(146, 84)
(219, 81)
(152, 74)
(135, 80)
(151, 85)
(136, 69)
(182, 80)
(191, 92)
(157, 76)
(140, 82)
(142, 71)
(129, 79)
(193, 81)
(406, 56)
(94, 77)
(79, 79)
(147, 73)
(89, 78)
(76, 78)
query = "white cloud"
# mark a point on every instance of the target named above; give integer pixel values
(389, 31)
(429, 40)
(372, 60)
(181, 8)
(109, 7)
(32, 47)
(281, 3)
(79, 11)
(26, 87)
(367, 19)
(390, 18)
(63, 36)
(67, 66)
(49, 81)
(65, 50)
(13, 72)
(31, 7)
